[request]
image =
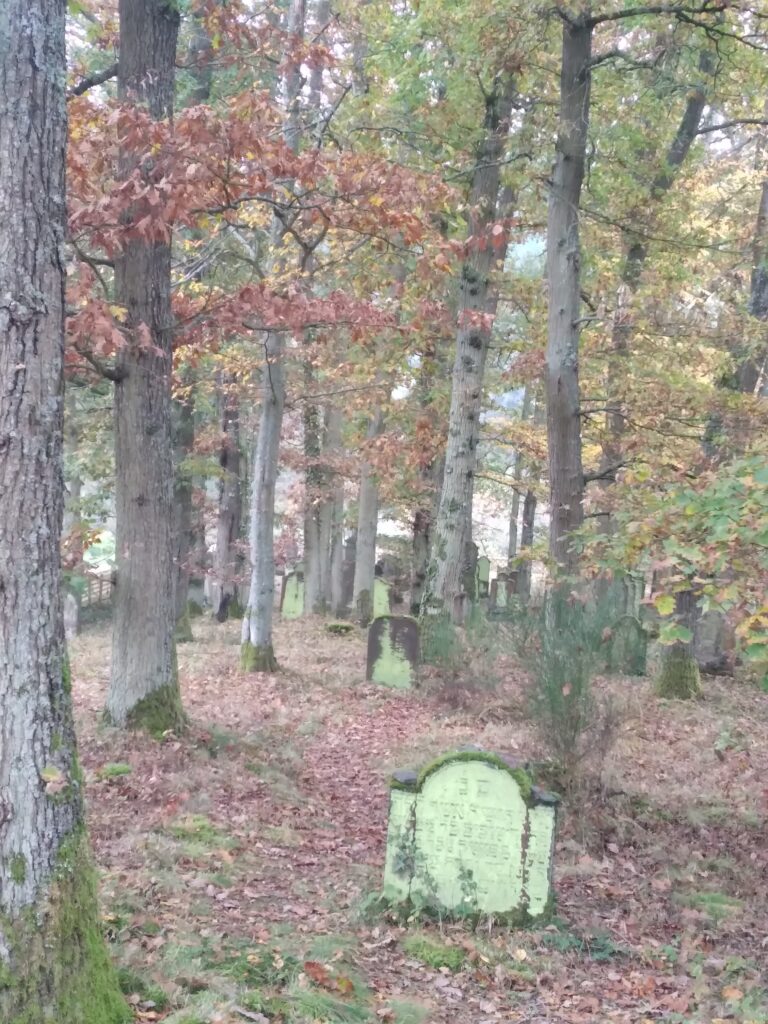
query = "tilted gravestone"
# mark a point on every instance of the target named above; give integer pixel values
(381, 597)
(502, 591)
(470, 834)
(393, 651)
(627, 647)
(483, 576)
(292, 602)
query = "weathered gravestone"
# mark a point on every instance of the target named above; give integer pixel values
(627, 647)
(502, 591)
(381, 597)
(292, 601)
(483, 576)
(470, 834)
(393, 651)
(71, 615)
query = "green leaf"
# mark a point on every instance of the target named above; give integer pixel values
(673, 632)
(664, 604)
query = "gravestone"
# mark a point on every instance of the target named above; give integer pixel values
(628, 647)
(502, 590)
(381, 597)
(71, 615)
(347, 583)
(393, 651)
(292, 601)
(470, 834)
(483, 576)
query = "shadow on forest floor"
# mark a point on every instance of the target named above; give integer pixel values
(237, 860)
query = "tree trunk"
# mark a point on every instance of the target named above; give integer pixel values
(526, 542)
(257, 649)
(517, 477)
(367, 526)
(183, 410)
(564, 282)
(144, 688)
(679, 677)
(53, 962)
(183, 420)
(227, 560)
(477, 304)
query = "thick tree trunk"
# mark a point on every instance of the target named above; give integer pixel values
(257, 649)
(564, 282)
(144, 688)
(227, 563)
(53, 963)
(423, 529)
(367, 527)
(477, 304)
(679, 678)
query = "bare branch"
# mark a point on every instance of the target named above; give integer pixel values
(97, 78)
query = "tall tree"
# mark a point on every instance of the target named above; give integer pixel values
(257, 650)
(144, 688)
(477, 304)
(53, 963)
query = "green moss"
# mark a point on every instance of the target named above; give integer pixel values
(679, 679)
(58, 968)
(257, 659)
(339, 628)
(66, 674)
(183, 632)
(159, 712)
(18, 868)
(520, 775)
(194, 609)
(433, 953)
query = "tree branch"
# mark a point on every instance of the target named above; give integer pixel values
(97, 78)
(110, 372)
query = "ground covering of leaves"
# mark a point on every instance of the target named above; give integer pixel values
(239, 860)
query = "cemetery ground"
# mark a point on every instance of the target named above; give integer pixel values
(239, 861)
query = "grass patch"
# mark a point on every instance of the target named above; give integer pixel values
(598, 947)
(405, 1012)
(114, 770)
(132, 984)
(198, 833)
(433, 953)
(716, 905)
(314, 1005)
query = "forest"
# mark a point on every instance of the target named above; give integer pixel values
(383, 511)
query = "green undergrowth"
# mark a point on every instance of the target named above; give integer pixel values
(135, 985)
(112, 771)
(434, 953)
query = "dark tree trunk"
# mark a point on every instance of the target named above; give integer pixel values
(526, 543)
(53, 963)
(367, 529)
(227, 559)
(143, 688)
(477, 304)
(564, 281)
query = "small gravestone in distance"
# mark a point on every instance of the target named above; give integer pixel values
(393, 651)
(627, 647)
(381, 597)
(292, 604)
(483, 576)
(502, 591)
(470, 834)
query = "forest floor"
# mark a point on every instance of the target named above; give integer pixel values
(238, 860)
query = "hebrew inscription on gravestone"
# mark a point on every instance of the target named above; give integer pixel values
(471, 834)
(393, 651)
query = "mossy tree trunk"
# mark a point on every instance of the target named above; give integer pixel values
(53, 962)
(679, 678)
(143, 688)
(227, 561)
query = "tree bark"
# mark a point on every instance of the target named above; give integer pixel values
(477, 305)
(53, 962)
(143, 688)
(257, 649)
(367, 526)
(226, 559)
(517, 477)
(564, 281)
(526, 542)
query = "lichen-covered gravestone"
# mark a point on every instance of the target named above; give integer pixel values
(393, 651)
(628, 647)
(483, 576)
(471, 835)
(292, 604)
(381, 597)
